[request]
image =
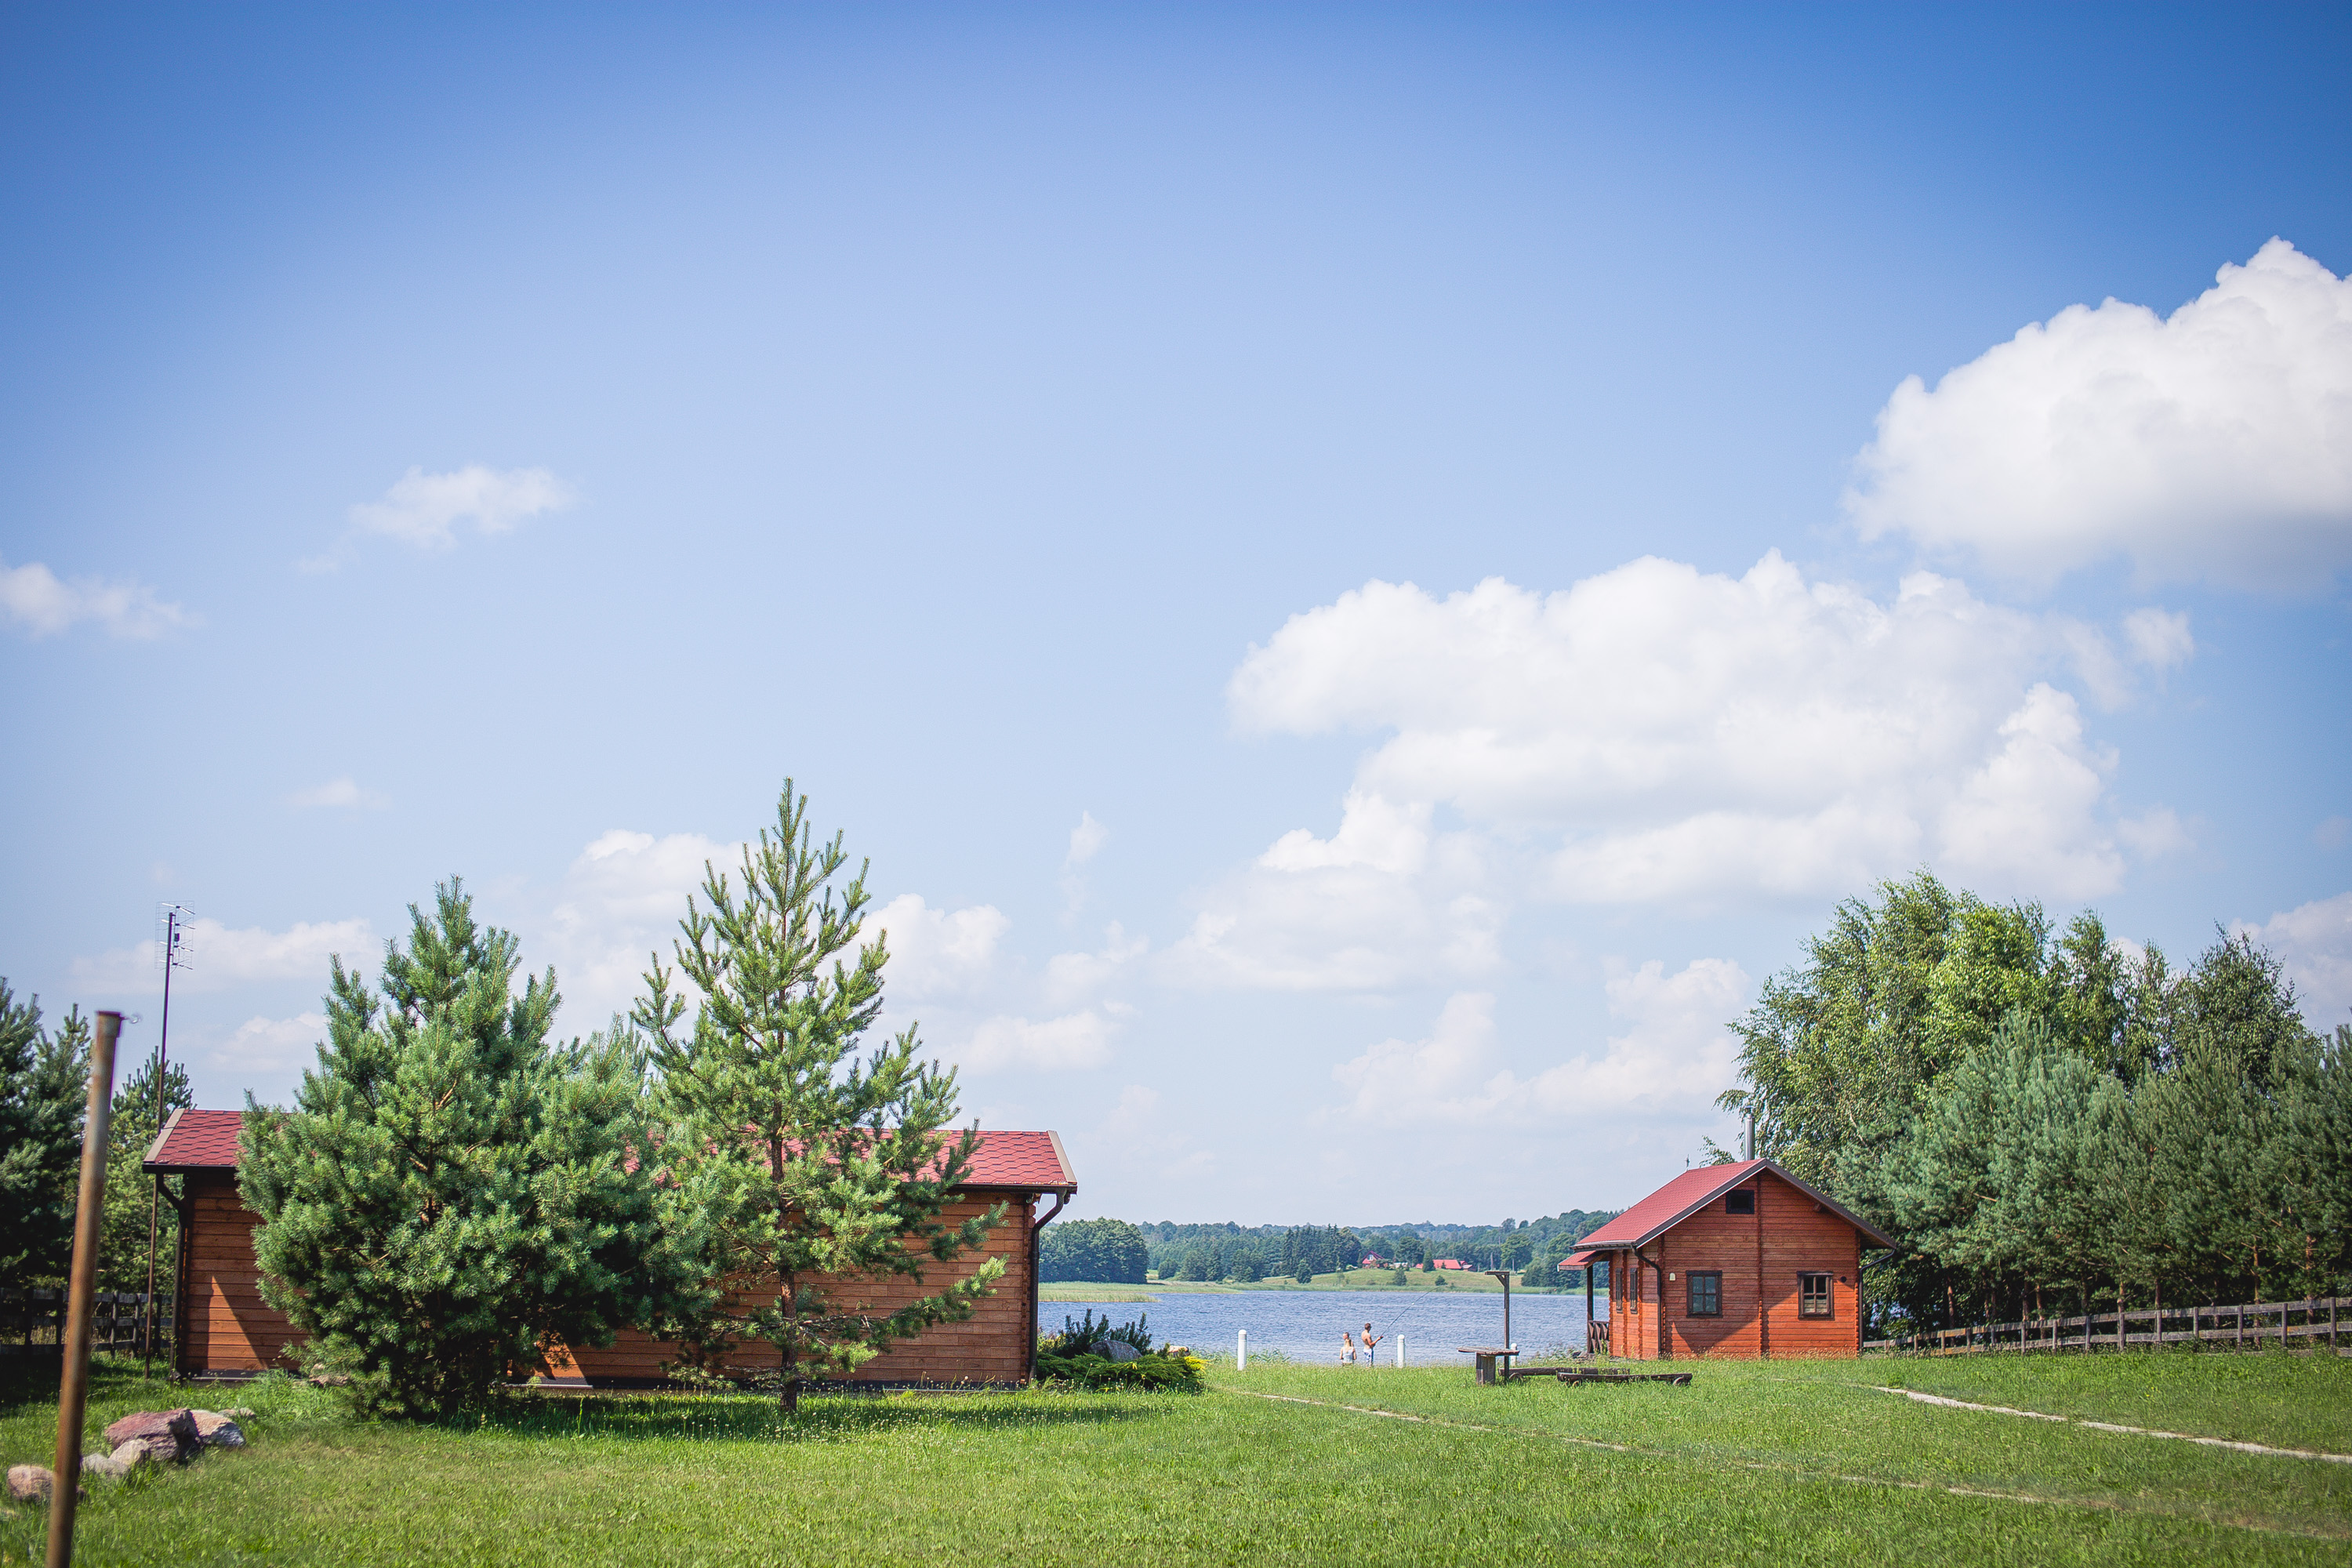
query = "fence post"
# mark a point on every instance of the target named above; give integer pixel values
(1400, 1351)
(1241, 1356)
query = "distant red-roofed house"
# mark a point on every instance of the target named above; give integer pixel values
(1739, 1261)
(1448, 1263)
(224, 1327)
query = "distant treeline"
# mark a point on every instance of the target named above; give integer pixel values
(1114, 1251)
(2043, 1117)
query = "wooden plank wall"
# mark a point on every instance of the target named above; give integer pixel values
(991, 1346)
(1795, 1237)
(231, 1330)
(229, 1327)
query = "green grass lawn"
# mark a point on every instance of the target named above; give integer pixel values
(1774, 1464)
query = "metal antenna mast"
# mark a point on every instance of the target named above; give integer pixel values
(172, 955)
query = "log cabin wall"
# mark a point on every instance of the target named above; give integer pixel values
(231, 1330)
(228, 1326)
(991, 1346)
(1801, 1237)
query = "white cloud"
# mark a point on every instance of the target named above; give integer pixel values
(1671, 735)
(1675, 1057)
(2314, 942)
(342, 792)
(2159, 638)
(422, 509)
(939, 954)
(1086, 839)
(1072, 977)
(269, 1049)
(1012, 1044)
(620, 904)
(41, 606)
(218, 956)
(1383, 902)
(2216, 443)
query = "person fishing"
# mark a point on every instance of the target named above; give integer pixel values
(1370, 1340)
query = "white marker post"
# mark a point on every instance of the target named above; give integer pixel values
(1241, 1356)
(1400, 1351)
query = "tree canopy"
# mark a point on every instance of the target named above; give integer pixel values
(2031, 1109)
(453, 1190)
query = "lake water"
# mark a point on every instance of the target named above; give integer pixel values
(1305, 1325)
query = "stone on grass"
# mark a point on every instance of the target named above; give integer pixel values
(240, 1413)
(106, 1464)
(133, 1454)
(32, 1483)
(1119, 1350)
(214, 1430)
(168, 1435)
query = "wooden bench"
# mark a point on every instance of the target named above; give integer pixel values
(1584, 1374)
(1487, 1356)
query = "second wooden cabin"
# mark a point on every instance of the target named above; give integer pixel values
(1739, 1261)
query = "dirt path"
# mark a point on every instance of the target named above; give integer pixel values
(2109, 1426)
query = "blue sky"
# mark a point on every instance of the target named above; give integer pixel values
(1362, 575)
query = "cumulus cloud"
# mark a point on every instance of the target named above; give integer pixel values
(423, 509)
(39, 605)
(940, 954)
(1073, 1041)
(272, 1050)
(1383, 902)
(344, 792)
(1086, 839)
(1072, 977)
(2314, 942)
(2214, 444)
(1673, 1059)
(620, 903)
(1657, 733)
(219, 957)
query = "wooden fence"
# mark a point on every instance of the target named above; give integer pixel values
(30, 1319)
(2247, 1327)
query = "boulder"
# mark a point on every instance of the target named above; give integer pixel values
(106, 1465)
(31, 1483)
(167, 1434)
(214, 1430)
(239, 1413)
(1119, 1350)
(133, 1454)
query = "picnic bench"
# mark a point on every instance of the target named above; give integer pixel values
(1487, 1356)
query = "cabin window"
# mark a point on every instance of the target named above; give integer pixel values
(1707, 1295)
(1741, 1202)
(1812, 1295)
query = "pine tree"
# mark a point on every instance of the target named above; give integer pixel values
(810, 1173)
(131, 1202)
(452, 1192)
(43, 1096)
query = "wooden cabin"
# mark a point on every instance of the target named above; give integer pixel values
(1741, 1260)
(223, 1329)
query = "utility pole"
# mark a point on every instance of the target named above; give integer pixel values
(90, 1216)
(176, 920)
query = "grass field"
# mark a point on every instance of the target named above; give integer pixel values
(1774, 1464)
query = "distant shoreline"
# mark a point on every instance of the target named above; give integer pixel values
(1456, 1282)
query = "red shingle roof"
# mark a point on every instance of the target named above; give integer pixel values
(1016, 1161)
(1693, 1191)
(197, 1141)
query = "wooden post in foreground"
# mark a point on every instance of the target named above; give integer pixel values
(73, 1388)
